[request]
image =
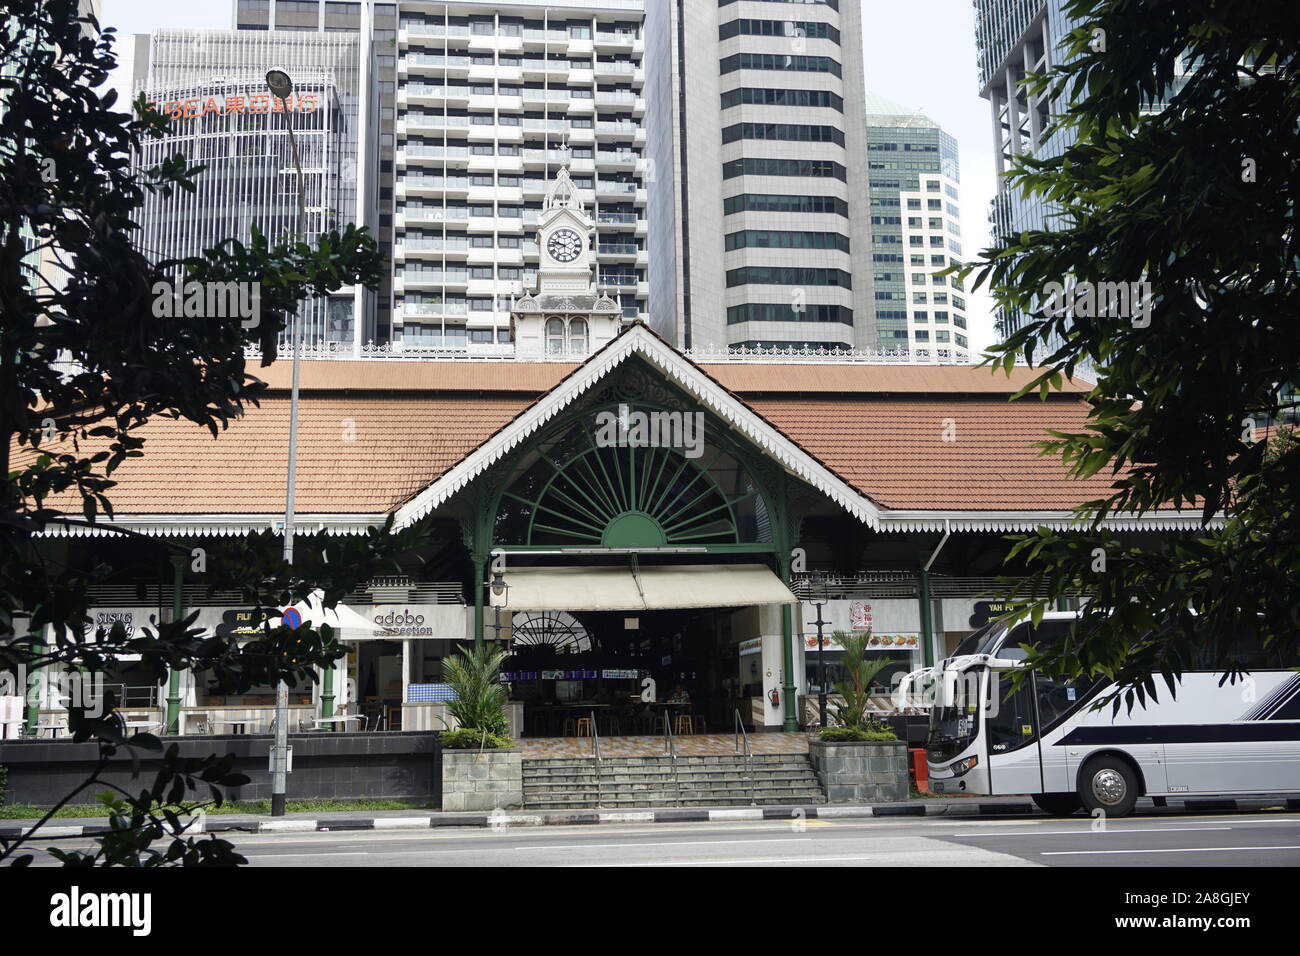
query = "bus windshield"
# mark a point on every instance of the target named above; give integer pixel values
(955, 717)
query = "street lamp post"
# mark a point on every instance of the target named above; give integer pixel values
(281, 87)
(499, 588)
(819, 582)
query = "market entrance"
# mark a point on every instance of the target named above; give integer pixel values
(626, 671)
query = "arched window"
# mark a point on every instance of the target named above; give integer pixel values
(578, 336)
(555, 336)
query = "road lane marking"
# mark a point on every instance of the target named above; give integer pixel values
(1244, 847)
(602, 846)
(1085, 832)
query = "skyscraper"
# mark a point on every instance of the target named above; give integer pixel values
(1013, 38)
(479, 103)
(759, 227)
(914, 184)
(211, 85)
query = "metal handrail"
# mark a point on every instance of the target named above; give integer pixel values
(670, 747)
(742, 734)
(595, 753)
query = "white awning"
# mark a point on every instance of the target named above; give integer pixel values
(645, 589)
(347, 623)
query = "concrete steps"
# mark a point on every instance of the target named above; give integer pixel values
(571, 783)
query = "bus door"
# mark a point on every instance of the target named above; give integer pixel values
(1011, 732)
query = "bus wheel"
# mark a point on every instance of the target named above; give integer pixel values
(1058, 804)
(1110, 785)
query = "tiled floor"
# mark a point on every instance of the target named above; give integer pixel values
(697, 745)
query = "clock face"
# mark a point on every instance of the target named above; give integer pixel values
(564, 245)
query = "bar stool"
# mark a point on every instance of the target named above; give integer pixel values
(584, 727)
(611, 726)
(537, 725)
(684, 725)
(571, 727)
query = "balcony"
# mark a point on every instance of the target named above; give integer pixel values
(430, 249)
(429, 216)
(429, 63)
(435, 309)
(617, 218)
(432, 186)
(437, 155)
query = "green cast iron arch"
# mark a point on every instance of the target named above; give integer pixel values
(627, 496)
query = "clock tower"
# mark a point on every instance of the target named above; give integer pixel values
(564, 317)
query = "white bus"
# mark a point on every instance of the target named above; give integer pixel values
(1048, 740)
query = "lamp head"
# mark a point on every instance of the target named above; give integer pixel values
(498, 584)
(278, 82)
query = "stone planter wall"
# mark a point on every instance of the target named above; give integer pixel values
(866, 771)
(326, 766)
(488, 780)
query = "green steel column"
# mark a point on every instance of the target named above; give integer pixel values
(174, 678)
(927, 623)
(1063, 603)
(478, 573)
(782, 537)
(327, 692)
(791, 689)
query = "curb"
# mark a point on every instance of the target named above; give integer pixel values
(500, 819)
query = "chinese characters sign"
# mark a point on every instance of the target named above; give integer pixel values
(228, 105)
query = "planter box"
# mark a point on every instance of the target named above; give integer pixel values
(867, 771)
(487, 780)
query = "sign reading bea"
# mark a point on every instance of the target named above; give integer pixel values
(222, 106)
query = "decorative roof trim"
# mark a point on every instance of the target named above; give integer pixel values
(905, 520)
(216, 525)
(639, 340)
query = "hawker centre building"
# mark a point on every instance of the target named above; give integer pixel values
(885, 490)
(642, 529)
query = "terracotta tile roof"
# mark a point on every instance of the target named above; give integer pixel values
(744, 378)
(739, 377)
(893, 450)
(399, 444)
(433, 376)
(412, 421)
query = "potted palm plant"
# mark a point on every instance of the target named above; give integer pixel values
(860, 759)
(481, 770)
(474, 674)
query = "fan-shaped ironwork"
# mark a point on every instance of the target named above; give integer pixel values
(550, 628)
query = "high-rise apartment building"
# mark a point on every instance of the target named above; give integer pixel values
(759, 227)
(914, 183)
(478, 106)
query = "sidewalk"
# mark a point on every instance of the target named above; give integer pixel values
(426, 819)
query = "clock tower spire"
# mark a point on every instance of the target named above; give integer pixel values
(564, 317)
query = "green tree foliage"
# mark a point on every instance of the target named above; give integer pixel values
(1190, 184)
(85, 362)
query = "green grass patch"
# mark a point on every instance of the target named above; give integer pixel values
(82, 811)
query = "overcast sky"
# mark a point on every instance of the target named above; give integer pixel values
(919, 53)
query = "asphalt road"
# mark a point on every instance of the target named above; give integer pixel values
(1193, 841)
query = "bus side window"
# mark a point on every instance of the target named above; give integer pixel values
(1054, 699)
